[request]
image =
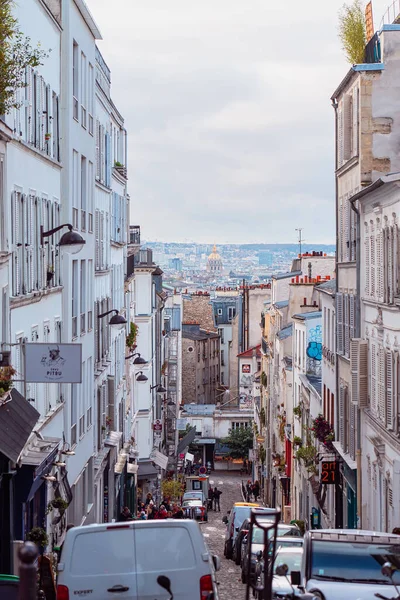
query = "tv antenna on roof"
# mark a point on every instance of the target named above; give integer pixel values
(300, 240)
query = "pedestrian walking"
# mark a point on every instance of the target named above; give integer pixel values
(216, 496)
(210, 498)
(248, 490)
(256, 490)
(149, 499)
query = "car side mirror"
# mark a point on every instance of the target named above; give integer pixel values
(295, 578)
(225, 520)
(237, 529)
(217, 562)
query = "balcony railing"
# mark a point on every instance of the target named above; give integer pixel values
(134, 235)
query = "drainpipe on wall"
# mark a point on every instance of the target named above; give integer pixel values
(358, 334)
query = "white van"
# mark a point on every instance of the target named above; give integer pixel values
(125, 560)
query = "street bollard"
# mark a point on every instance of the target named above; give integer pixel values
(28, 554)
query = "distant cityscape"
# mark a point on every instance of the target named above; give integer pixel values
(204, 266)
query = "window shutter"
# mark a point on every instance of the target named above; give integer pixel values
(49, 121)
(373, 378)
(346, 324)
(379, 265)
(395, 260)
(347, 126)
(352, 315)
(97, 149)
(25, 235)
(356, 109)
(341, 415)
(29, 93)
(381, 384)
(352, 431)
(339, 323)
(372, 254)
(97, 238)
(30, 249)
(102, 245)
(339, 141)
(102, 156)
(396, 391)
(389, 391)
(347, 228)
(16, 244)
(366, 263)
(390, 266)
(359, 370)
(341, 232)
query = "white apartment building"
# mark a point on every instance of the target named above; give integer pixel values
(62, 162)
(110, 227)
(367, 140)
(375, 365)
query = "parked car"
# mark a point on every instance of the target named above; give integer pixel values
(240, 511)
(257, 545)
(281, 586)
(194, 496)
(243, 530)
(195, 509)
(347, 563)
(126, 559)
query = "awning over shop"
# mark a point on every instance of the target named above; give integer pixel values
(186, 441)
(147, 470)
(203, 441)
(100, 461)
(159, 458)
(17, 419)
(40, 453)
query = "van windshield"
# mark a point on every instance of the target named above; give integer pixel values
(357, 562)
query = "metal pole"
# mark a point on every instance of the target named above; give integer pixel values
(28, 555)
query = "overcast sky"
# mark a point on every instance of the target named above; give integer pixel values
(227, 107)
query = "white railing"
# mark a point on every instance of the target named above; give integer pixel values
(392, 13)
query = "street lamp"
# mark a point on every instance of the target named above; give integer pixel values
(71, 241)
(141, 377)
(160, 388)
(139, 360)
(117, 320)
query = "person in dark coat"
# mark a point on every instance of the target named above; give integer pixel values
(210, 498)
(125, 515)
(256, 490)
(216, 495)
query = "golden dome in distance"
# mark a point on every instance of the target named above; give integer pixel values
(214, 262)
(214, 254)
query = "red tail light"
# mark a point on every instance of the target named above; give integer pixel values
(206, 586)
(245, 531)
(62, 592)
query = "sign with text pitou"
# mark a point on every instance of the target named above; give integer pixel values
(53, 363)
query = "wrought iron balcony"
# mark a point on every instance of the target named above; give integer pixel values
(134, 235)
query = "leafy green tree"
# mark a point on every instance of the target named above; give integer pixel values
(352, 32)
(239, 442)
(16, 54)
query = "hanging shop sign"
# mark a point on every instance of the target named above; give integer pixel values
(53, 363)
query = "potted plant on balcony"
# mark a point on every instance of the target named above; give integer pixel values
(6, 374)
(47, 136)
(131, 337)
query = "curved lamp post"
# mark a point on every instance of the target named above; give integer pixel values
(71, 241)
(117, 320)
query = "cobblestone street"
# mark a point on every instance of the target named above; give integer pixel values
(230, 585)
